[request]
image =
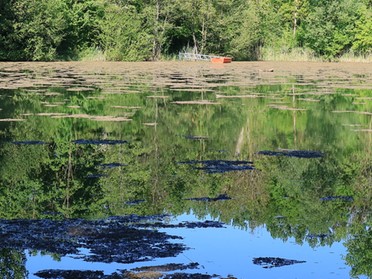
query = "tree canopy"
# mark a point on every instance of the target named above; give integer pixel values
(141, 30)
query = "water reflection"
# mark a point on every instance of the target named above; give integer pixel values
(296, 155)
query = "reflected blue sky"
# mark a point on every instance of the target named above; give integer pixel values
(226, 251)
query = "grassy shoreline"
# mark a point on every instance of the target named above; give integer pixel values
(266, 54)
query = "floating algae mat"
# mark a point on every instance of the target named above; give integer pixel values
(185, 170)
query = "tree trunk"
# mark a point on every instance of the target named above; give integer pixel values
(156, 47)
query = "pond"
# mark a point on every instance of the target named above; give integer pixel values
(185, 170)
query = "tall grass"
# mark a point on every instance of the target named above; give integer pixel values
(352, 57)
(287, 54)
(91, 54)
(303, 54)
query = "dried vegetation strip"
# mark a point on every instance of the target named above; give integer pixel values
(11, 119)
(195, 103)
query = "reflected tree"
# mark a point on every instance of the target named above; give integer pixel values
(359, 255)
(12, 264)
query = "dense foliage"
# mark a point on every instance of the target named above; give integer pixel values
(151, 29)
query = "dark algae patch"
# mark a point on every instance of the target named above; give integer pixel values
(270, 262)
(221, 197)
(29, 142)
(134, 202)
(167, 267)
(99, 142)
(193, 137)
(75, 274)
(293, 153)
(337, 198)
(188, 225)
(220, 166)
(125, 239)
(109, 240)
(95, 175)
(111, 165)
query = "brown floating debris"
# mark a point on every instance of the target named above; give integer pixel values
(52, 94)
(352, 125)
(49, 114)
(286, 108)
(150, 124)
(78, 89)
(218, 96)
(267, 70)
(110, 118)
(308, 100)
(111, 92)
(195, 103)
(125, 107)
(191, 89)
(352, 111)
(107, 118)
(11, 119)
(363, 130)
(158, 97)
(96, 97)
(72, 116)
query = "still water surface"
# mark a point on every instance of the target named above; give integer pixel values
(278, 154)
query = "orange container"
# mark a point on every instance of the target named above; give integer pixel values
(221, 60)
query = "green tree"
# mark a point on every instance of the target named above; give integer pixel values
(13, 264)
(7, 45)
(363, 32)
(159, 16)
(329, 27)
(83, 30)
(257, 25)
(359, 254)
(124, 35)
(39, 28)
